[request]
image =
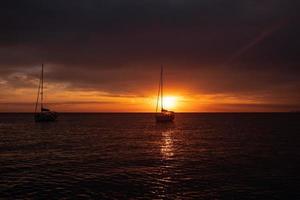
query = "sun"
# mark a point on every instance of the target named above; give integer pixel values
(169, 102)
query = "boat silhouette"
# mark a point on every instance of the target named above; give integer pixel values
(163, 115)
(45, 114)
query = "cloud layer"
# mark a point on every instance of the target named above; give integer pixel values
(225, 48)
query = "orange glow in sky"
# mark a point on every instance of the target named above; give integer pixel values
(62, 98)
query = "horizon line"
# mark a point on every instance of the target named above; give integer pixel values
(120, 112)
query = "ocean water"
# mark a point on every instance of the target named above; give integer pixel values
(129, 156)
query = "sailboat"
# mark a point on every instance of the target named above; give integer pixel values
(164, 115)
(45, 115)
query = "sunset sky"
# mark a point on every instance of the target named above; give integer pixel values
(105, 56)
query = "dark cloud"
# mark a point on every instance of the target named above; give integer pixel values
(118, 45)
(116, 32)
(253, 107)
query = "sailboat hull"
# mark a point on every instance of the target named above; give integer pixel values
(165, 117)
(45, 117)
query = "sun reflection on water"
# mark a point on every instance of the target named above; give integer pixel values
(167, 149)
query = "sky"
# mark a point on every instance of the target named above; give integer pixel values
(105, 55)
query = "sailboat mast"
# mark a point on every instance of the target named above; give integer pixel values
(158, 95)
(42, 87)
(161, 88)
(38, 96)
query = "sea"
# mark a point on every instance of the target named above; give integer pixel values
(130, 156)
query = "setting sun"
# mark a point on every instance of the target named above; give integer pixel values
(170, 102)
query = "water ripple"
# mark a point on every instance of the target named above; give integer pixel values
(128, 156)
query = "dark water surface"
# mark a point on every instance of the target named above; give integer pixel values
(129, 156)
